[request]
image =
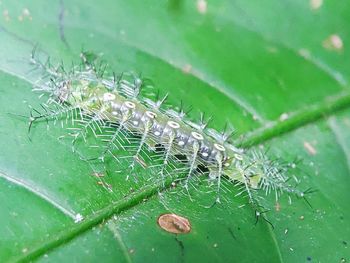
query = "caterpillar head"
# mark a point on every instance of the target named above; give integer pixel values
(76, 92)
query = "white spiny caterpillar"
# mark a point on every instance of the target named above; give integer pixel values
(116, 112)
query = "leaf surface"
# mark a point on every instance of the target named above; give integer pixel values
(278, 71)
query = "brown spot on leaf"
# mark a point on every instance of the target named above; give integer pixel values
(174, 223)
(105, 185)
(315, 4)
(333, 43)
(202, 6)
(98, 174)
(187, 68)
(277, 206)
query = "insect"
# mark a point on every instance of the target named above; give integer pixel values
(116, 112)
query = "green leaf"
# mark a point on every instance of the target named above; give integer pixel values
(277, 70)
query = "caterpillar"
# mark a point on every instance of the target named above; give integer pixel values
(116, 111)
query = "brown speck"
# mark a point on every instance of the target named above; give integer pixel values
(98, 174)
(310, 148)
(202, 6)
(333, 43)
(174, 224)
(277, 206)
(187, 68)
(315, 4)
(105, 185)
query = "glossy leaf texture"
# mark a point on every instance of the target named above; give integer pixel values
(277, 70)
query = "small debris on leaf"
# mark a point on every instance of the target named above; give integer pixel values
(174, 223)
